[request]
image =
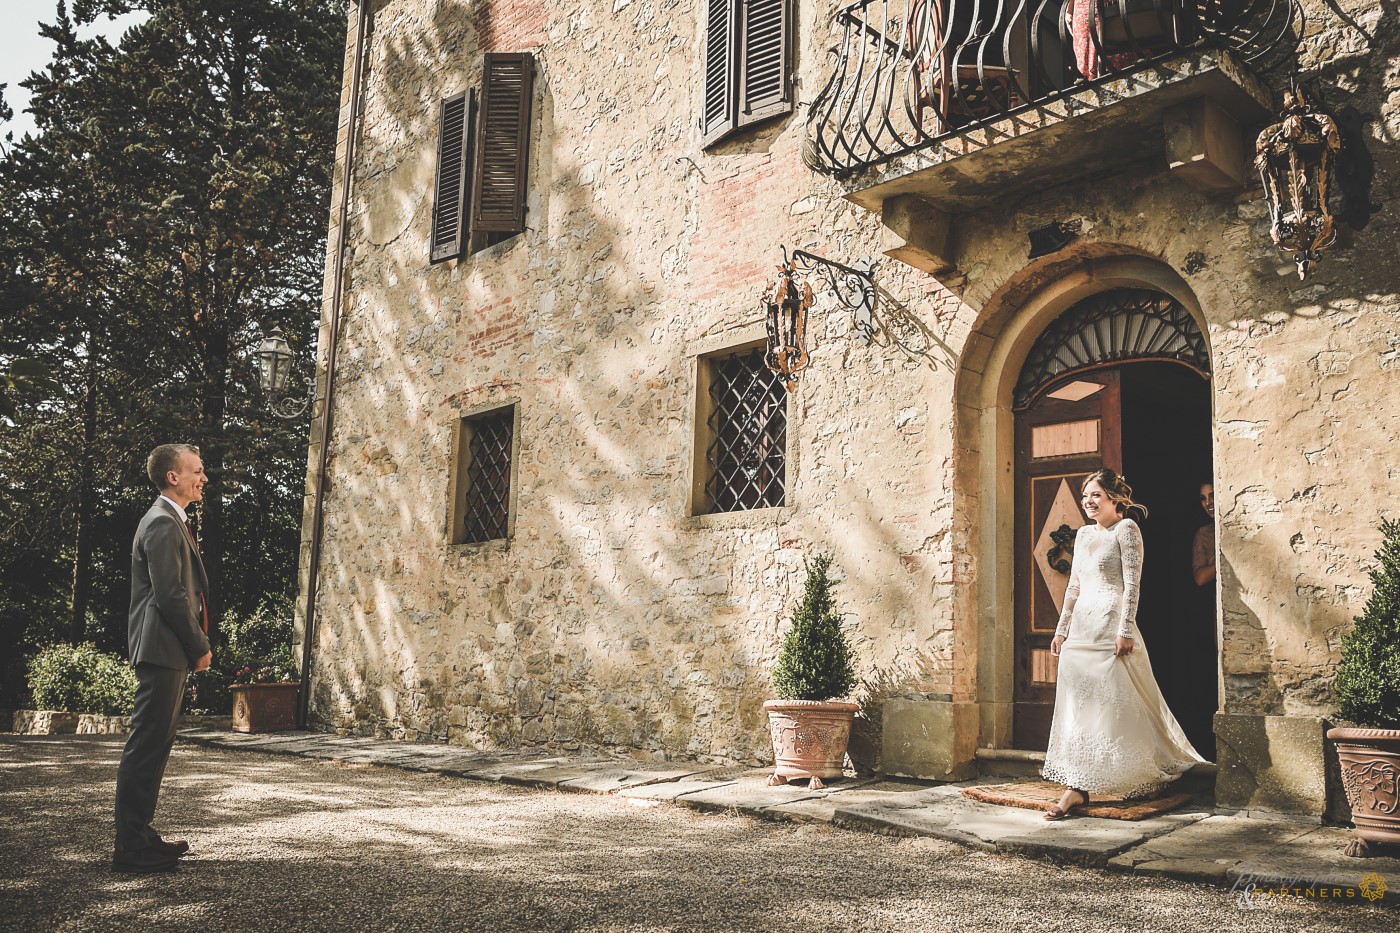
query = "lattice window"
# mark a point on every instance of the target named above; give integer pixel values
(483, 498)
(1116, 326)
(747, 453)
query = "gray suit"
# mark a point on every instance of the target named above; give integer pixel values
(166, 637)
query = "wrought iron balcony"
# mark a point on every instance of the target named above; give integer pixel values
(911, 73)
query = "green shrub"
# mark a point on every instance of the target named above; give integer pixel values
(1367, 686)
(260, 638)
(81, 679)
(815, 661)
(276, 668)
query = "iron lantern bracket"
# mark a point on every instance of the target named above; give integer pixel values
(290, 406)
(854, 286)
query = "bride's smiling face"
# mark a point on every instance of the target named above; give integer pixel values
(1097, 504)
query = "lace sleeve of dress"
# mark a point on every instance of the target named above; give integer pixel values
(1130, 549)
(1072, 592)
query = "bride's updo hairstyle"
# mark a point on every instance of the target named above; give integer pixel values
(1117, 489)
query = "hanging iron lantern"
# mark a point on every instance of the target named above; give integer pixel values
(274, 362)
(1296, 159)
(786, 304)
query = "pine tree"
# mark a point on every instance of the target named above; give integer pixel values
(1367, 686)
(168, 209)
(815, 661)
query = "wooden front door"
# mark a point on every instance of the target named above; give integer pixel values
(1061, 438)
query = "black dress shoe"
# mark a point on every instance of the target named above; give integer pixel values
(144, 861)
(171, 847)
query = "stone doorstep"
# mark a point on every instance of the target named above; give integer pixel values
(1183, 845)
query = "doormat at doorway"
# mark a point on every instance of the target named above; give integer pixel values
(1042, 795)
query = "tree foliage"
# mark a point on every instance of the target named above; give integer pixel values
(1367, 685)
(815, 661)
(169, 208)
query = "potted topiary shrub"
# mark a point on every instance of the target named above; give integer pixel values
(1367, 688)
(815, 666)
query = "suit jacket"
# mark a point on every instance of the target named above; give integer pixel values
(167, 588)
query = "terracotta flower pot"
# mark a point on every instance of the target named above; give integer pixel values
(264, 707)
(809, 738)
(1370, 760)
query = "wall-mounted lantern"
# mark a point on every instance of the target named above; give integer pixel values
(275, 370)
(1296, 159)
(785, 304)
(787, 300)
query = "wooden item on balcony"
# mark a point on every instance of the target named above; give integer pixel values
(947, 97)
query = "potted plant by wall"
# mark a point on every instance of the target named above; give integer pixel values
(815, 666)
(1367, 688)
(265, 695)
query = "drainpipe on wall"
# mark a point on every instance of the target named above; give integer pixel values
(333, 332)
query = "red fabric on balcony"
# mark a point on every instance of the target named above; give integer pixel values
(1086, 53)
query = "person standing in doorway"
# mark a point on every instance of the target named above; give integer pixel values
(1203, 547)
(168, 634)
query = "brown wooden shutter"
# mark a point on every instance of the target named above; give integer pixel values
(450, 198)
(503, 143)
(721, 64)
(765, 79)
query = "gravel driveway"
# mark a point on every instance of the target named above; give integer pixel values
(296, 844)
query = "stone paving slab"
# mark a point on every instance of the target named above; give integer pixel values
(1216, 840)
(1315, 859)
(228, 738)
(1194, 844)
(610, 780)
(944, 813)
(538, 772)
(751, 792)
(674, 789)
(1090, 841)
(822, 808)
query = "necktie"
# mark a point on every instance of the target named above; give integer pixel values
(203, 606)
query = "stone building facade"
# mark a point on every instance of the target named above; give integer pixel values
(617, 611)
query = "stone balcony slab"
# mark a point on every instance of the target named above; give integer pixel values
(1100, 129)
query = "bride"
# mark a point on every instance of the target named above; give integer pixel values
(1112, 732)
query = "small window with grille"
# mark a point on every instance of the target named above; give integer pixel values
(481, 510)
(746, 418)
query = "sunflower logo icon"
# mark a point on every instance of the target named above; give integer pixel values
(1372, 887)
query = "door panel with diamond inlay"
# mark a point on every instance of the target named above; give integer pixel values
(1060, 439)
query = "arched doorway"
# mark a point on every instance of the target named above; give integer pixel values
(1119, 379)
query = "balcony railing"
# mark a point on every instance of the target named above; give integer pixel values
(908, 73)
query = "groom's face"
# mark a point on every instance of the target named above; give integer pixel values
(187, 479)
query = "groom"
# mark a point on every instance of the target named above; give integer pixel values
(167, 631)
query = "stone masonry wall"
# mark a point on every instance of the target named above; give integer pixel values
(614, 618)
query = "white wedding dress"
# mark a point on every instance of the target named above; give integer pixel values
(1112, 732)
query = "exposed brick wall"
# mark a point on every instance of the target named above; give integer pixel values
(511, 25)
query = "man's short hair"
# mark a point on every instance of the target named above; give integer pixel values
(165, 458)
